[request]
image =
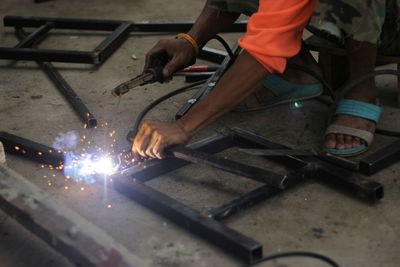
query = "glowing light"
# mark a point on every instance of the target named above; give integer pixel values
(109, 206)
(66, 187)
(40, 153)
(82, 189)
(16, 148)
(297, 104)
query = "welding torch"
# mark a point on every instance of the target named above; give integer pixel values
(152, 74)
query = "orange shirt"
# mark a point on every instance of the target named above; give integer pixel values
(274, 32)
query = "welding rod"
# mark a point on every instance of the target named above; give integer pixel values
(201, 158)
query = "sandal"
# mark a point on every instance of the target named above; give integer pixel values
(358, 109)
(283, 91)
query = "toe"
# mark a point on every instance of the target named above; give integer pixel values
(330, 141)
(340, 141)
(348, 141)
(356, 141)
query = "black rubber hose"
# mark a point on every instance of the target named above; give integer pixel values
(297, 254)
(316, 76)
(225, 45)
(149, 107)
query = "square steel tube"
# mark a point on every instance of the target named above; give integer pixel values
(62, 86)
(207, 228)
(29, 149)
(35, 36)
(109, 25)
(37, 54)
(381, 159)
(206, 159)
(347, 181)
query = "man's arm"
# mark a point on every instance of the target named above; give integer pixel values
(237, 83)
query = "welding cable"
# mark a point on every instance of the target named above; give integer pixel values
(314, 75)
(297, 254)
(224, 44)
(149, 107)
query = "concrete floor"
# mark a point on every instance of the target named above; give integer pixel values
(311, 217)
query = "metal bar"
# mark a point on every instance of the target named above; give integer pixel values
(205, 159)
(82, 242)
(109, 25)
(65, 89)
(76, 102)
(343, 179)
(112, 42)
(35, 36)
(349, 182)
(245, 139)
(208, 86)
(47, 55)
(212, 55)
(259, 194)
(62, 23)
(243, 202)
(381, 159)
(207, 228)
(151, 169)
(29, 149)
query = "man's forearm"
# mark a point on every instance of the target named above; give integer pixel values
(235, 85)
(210, 22)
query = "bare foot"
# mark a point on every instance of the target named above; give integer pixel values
(361, 57)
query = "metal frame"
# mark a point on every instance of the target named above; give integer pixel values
(207, 224)
(61, 84)
(120, 32)
(371, 164)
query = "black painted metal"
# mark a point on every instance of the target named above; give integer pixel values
(345, 180)
(109, 25)
(31, 150)
(121, 30)
(205, 159)
(35, 36)
(207, 228)
(112, 42)
(64, 88)
(35, 54)
(381, 159)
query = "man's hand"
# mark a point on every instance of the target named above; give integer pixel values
(180, 52)
(154, 136)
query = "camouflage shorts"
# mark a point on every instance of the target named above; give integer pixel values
(374, 21)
